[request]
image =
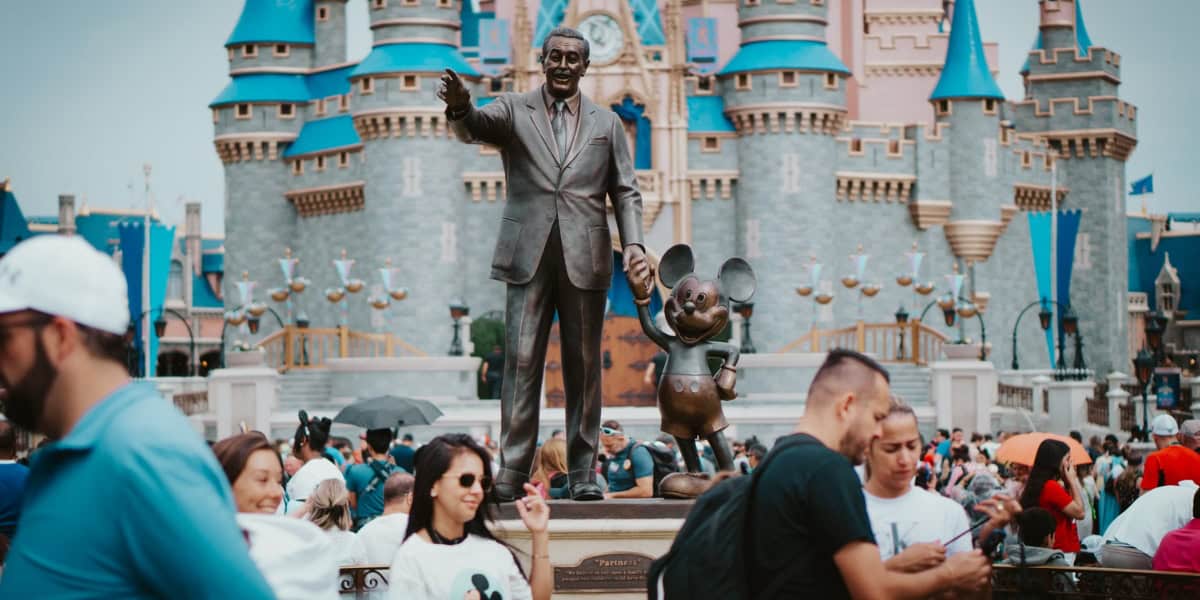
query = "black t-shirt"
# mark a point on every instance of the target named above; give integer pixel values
(808, 504)
(495, 365)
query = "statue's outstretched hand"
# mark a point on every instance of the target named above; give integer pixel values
(453, 92)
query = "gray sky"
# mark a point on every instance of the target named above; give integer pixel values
(95, 88)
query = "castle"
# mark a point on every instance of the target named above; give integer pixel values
(778, 130)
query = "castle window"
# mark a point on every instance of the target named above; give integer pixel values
(320, 163)
(443, 4)
(942, 107)
(216, 115)
(343, 160)
(366, 85)
(711, 144)
(230, 49)
(281, 50)
(320, 108)
(818, 2)
(410, 2)
(1026, 159)
(704, 84)
(378, 4)
(344, 102)
(243, 111)
(831, 81)
(175, 281)
(787, 79)
(989, 106)
(1048, 160)
(322, 13)
(856, 146)
(894, 148)
(410, 82)
(297, 167)
(287, 111)
(495, 85)
(743, 81)
(751, 2)
(249, 51)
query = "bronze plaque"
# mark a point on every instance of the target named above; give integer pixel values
(616, 572)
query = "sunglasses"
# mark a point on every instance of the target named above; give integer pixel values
(611, 431)
(467, 481)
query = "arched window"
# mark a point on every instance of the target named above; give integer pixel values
(175, 281)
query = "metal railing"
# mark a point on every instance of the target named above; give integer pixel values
(303, 348)
(1014, 582)
(1128, 416)
(1015, 396)
(922, 343)
(1097, 410)
(363, 581)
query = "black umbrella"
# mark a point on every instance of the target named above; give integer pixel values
(386, 412)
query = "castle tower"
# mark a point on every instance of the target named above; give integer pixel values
(1072, 100)
(330, 24)
(255, 118)
(66, 214)
(784, 91)
(413, 182)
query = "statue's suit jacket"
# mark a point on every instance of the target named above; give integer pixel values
(542, 188)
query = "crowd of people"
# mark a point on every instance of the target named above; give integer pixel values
(128, 501)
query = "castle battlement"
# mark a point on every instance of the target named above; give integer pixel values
(427, 122)
(240, 147)
(1065, 62)
(787, 117)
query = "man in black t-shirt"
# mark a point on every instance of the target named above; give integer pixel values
(810, 534)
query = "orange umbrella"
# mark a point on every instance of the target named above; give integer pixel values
(1022, 448)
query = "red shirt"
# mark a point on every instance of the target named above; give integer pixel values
(1174, 463)
(1180, 549)
(1054, 498)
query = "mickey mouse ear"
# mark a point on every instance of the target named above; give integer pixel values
(303, 416)
(737, 280)
(676, 264)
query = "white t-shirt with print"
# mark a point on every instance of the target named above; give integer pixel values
(426, 571)
(382, 537)
(918, 516)
(347, 548)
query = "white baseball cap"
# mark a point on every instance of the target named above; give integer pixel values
(65, 276)
(1164, 425)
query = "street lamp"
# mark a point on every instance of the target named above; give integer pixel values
(1143, 366)
(458, 310)
(746, 309)
(901, 319)
(1044, 316)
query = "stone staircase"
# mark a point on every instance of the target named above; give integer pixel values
(911, 383)
(308, 389)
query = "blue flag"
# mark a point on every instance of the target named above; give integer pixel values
(1144, 185)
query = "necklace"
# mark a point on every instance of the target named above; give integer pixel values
(437, 538)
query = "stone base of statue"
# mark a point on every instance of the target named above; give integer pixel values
(601, 550)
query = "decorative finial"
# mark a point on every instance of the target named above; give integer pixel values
(387, 262)
(7, 185)
(343, 254)
(914, 246)
(245, 275)
(287, 252)
(954, 265)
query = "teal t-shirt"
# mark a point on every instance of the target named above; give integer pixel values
(358, 479)
(130, 504)
(627, 466)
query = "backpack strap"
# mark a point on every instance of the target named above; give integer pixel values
(747, 527)
(381, 475)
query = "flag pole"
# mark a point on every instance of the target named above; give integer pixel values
(1054, 249)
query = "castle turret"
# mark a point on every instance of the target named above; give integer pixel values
(1072, 100)
(256, 117)
(784, 91)
(330, 18)
(66, 214)
(413, 180)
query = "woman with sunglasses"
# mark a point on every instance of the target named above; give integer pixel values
(448, 550)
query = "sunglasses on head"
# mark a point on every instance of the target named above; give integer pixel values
(610, 431)
(467, 481)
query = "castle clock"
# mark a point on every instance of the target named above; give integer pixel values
(605, 37)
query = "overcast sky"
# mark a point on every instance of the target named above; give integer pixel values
(93, 89)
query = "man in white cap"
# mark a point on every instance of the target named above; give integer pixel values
(1189, 434)
(127, 502)
(1172, 462)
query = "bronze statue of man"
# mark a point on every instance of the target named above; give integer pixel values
(562, 155)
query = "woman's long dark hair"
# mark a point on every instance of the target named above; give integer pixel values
(429, 465)
(234, 452)
(313, 433)
(1047, 465)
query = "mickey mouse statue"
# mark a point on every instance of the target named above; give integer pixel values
(689, 396)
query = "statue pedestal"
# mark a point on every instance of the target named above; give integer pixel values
(600, 549)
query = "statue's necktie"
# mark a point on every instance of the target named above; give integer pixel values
(559, 124)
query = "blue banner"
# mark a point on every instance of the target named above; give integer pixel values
(702, 40)
(1039, 238)
(133, 242)
(494, 43)
(1068, 227)
(1144, 185)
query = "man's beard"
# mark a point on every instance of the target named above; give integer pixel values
(854, 450)
(26, 399)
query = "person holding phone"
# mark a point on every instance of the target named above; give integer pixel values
(1045, 488)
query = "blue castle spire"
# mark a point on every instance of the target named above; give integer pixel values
(1081, 33)
(966, 74)
(272, 21)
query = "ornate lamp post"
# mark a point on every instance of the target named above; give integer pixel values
(901, 319)
(458, 310)
(349, 286)
(160, 330)
(293, 285)
(1143, 367)
(807, 290)
(858, 261)
(746, 309)
(1044, 316)
(390, 292)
